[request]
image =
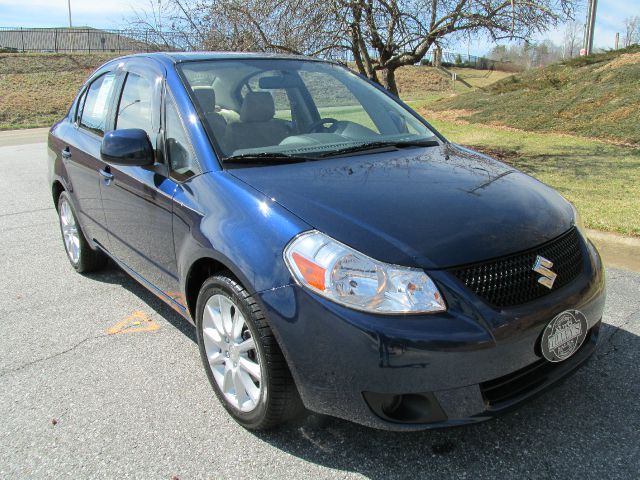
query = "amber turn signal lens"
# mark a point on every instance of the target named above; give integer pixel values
(312, 273)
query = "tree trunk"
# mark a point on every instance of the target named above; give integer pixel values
(389, 80)
(358, 60)
(437, 57)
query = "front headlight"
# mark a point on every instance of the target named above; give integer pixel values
(350, 278)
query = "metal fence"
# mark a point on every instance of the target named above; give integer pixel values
(461, 60)
(448, 59)
(89, 40)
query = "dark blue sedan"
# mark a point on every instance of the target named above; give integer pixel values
(334, 252)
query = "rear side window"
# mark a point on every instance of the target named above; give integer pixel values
(77, 112)
(135, 107)
(93, 116)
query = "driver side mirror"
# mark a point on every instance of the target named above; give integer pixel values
(129, 146)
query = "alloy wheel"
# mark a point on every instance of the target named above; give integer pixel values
(69, 232)
(231, 352)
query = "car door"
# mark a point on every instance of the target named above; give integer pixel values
(81, 153)
(138, 200)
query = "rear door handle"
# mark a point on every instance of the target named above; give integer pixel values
(66, 153)
(106, 174)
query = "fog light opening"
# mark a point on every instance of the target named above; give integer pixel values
(405, 408)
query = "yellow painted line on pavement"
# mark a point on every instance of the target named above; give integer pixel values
(138, 321)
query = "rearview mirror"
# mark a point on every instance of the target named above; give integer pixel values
(276, 82)
(129, 146)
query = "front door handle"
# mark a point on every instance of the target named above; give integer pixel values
(66, 153)
(106, 174)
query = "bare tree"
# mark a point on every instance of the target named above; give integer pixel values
(401, 32)
(632, 31)
(172, 23)
(573, 32)
(380, 35)
(292, 26)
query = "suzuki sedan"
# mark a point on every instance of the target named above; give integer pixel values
(334, 252)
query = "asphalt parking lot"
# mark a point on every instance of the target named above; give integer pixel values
(100, 379)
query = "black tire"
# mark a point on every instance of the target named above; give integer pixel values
(279, 401)
(89, 260)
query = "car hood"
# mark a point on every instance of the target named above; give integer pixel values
(432, 207)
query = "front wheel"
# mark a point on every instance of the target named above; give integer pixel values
(243, 361)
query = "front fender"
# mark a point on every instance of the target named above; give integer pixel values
(219, 217)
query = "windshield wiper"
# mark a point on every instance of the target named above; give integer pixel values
(382, 144)
(267, 158)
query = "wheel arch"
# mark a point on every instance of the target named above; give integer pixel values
(198, 272)
(208, 265)
(56, 190)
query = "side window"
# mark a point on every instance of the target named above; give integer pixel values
(182, 161)
(334, 100)
(135, 107)
(93, 114)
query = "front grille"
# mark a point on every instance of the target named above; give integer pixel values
(510, 280)
(516, 384)
(505, 390)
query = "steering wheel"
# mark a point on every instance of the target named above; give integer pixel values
(315, 126)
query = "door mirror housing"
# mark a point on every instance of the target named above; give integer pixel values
(129, 146)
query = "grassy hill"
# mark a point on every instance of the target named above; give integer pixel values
(417, 82)
(37, 89)
(596, 96)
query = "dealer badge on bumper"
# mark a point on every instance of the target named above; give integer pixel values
(564, 335)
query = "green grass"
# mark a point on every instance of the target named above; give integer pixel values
(36, 89)
(601, 179)
(418, 83)
(478, 78)
(596, 96)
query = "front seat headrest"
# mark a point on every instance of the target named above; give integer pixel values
(206, 98)
(257, 107)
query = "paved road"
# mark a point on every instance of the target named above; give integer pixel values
(77, 401)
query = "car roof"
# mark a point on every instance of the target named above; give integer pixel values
(171, 59)
(179, 57)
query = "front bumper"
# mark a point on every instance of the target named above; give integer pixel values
(461, 366)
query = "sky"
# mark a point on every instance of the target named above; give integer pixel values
(112, 14)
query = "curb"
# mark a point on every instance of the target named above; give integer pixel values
(613, 238)
(617, 251)
(26, 136)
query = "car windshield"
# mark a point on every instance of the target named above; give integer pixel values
(261, 111)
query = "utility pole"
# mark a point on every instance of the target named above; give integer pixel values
(70, 35)
(591, 22)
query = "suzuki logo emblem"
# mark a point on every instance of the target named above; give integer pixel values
(543, 266)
